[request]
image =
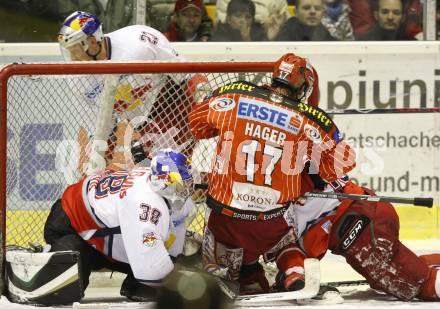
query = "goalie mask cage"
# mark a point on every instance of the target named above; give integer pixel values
(51, 114)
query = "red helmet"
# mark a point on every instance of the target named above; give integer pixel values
(295, 73)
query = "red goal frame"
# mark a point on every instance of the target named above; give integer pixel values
(96, 68)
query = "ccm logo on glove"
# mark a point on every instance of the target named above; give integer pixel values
(355, 231)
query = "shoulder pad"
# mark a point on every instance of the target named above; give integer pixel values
(317, 115)
(321, 118)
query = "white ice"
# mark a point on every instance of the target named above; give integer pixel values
(333, 268)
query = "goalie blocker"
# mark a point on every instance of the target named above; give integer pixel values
(43, 278)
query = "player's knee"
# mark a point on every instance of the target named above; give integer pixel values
(67, 242)
(366, 224)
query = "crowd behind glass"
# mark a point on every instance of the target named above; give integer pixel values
(226, 20)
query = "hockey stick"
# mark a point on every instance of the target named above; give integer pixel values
(383, 111)
(417, 201)
(311, 288)
(346, 283)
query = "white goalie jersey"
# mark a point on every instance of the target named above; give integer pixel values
(119, 214)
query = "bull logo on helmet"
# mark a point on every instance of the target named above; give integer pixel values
(84, 20)
(171, 175)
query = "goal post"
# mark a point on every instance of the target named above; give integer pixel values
(49, 127)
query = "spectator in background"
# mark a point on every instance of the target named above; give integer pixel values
(413, 19)
(117, 14)
(361, 16)
(363, 20)
(388, 15)
(240, 24)
(306, 25)
(337, 21)
(272, 14)
(277, 14)
(38, 20)
(187, 22)
(159, 14)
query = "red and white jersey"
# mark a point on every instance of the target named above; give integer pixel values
(264, 140)
(311, 210)
(119, 214)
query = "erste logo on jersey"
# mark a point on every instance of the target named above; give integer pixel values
(222, 104)
(270, 114)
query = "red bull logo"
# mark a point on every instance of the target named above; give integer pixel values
(84, 20)
(79, 23)
(164, 177)
(149, 239)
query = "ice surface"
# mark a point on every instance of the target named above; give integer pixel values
(333, 268)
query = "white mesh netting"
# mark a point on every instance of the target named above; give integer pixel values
(53, 119)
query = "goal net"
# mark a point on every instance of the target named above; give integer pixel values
(67, 120)
(62, 121)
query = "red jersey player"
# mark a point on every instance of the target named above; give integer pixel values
(365, 233)
(266, 135)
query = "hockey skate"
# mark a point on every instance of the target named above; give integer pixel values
(311, 289)
(136, 291)
(327, 295)
(292, 282)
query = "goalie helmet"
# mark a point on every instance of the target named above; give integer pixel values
(294, 73)
(75, 31)
(171, 175)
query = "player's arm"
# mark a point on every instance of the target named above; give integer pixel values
(199, 123)
(143, 226)
(338, 161)
(334, 157)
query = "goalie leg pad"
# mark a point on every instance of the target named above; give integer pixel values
(44, 278)
(215, 254)
(372, 248)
